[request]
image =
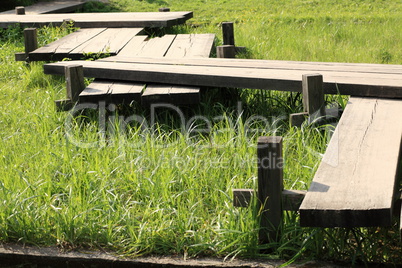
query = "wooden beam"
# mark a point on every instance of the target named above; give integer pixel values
(30, 40)
(226, 51)
(270, 187)
(228, 33)
(355, 182)
(259, 74)
(313, 95)
(20, 10)
(291, 199)
(74, 81)
(297, 119)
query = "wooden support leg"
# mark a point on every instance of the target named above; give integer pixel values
(20, 10)
(228, 33)
(31, 40)
(313, 95)
(313, 100)
(270, 186)
(74, 81)
(226, 51)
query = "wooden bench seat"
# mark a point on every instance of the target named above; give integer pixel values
(355, 183)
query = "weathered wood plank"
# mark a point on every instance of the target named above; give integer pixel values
(49, 7)
(98, 20)
(308, 67)
(355, 182)
(191, 46)
(179, 95)
(61, 48)
(109, 41)
(154, 47)
(111, 91)
(146, 70)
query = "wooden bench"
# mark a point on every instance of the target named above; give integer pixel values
(355, 183)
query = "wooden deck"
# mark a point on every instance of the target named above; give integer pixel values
(374, 80)
(106, 41)
(99, 20)
(355, 183)
(49, 7)
(180, 46)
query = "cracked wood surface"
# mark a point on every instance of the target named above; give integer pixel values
(355, 183)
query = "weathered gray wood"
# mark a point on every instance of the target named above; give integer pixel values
(74, 81)
(43, 7)
(61, 48)
(111, 92)
(297, 119)
(306, 67)
(226, 51)
(313, 95)
(207, 72)
(228, 33)
(20, 10)
(98, 20)
(270, 186)
(109, 41)
(191, 46)
(30, 40)
(154, 47)
(137, 43)
(291, 199)
(355, 182)
(178, 95)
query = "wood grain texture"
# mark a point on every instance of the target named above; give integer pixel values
(355, 182)
(111, 91)
(191, 46)
(98, 20)
(49, 7)
(225, 73)
(178, 95)
(61, 48)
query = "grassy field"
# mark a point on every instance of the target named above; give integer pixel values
(89, 182)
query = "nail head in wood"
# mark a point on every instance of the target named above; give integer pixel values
(270, 186)
(164, 9)
(20, 10)
(228, 33)
(74, 81)
(313, 95)
(226, 51)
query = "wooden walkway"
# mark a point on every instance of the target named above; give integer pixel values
(374, 80)
(49, 7)
(356, 182)
(99, 20)
(99, 41)
(173, 46)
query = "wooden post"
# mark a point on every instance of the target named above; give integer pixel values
(313, 95)
(20, 10)
(164, 9)
(31, 40)
(74, 81)
(226, 51)
(228, 33)
(270, 187)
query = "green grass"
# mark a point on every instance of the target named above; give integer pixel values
(162, 190)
